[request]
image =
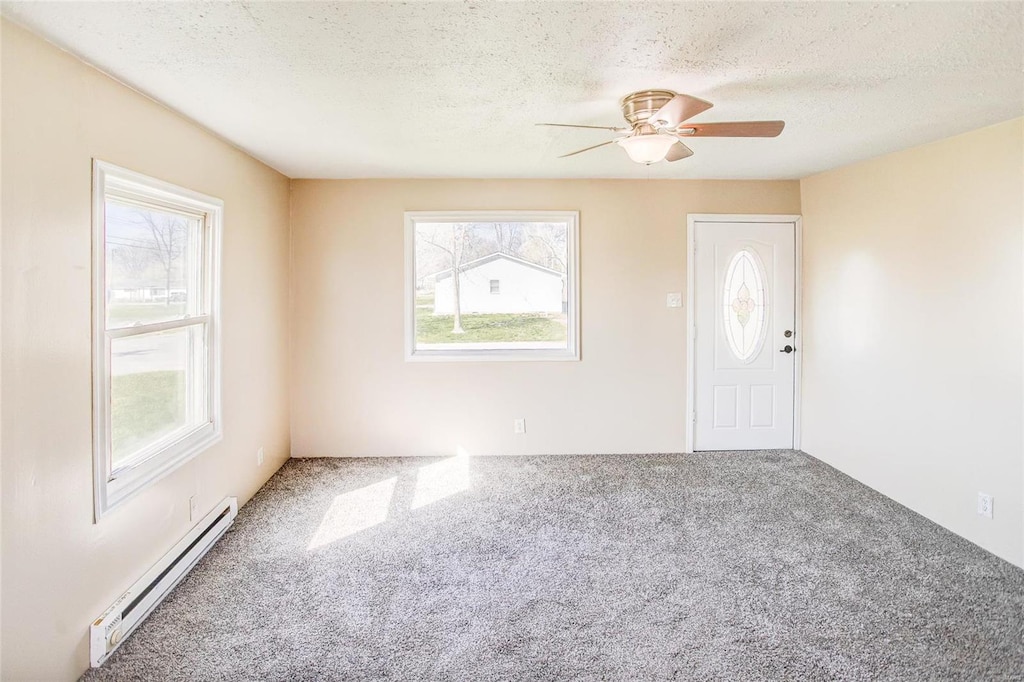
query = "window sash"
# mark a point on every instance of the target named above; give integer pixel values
(153, 327)
(195, 258)
(195, 263)
(200, 394)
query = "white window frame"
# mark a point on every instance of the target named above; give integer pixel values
(113, 487)
(572, 350)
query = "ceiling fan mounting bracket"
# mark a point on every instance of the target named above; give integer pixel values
(637, 107)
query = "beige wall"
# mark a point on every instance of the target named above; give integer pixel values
(913, 328)
(354, 395)
(912, 346)
(59, 569)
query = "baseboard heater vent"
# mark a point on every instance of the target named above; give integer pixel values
(108, 631)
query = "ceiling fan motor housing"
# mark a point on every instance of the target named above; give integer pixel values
(637, 107)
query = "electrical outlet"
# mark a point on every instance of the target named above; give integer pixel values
(985, 505)
(259, 457)
(674, 300)
(193, 508)
(519, 426)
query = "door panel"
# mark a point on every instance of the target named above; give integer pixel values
(762, 406)
(726, 407)
(745, 291)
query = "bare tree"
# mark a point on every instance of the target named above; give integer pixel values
(509, 237)
(455, 246)
(132, 260)
(551, 241)
(170, 238)
(458, 247)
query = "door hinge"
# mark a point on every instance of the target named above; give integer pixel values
(695, 417)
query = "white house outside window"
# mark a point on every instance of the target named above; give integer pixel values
(492, 285)
(156, 329)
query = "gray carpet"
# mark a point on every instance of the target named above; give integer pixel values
(718, 566)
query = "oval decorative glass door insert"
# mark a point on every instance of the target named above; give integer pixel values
(745, 304)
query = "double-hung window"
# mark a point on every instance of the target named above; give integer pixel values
(156, 390)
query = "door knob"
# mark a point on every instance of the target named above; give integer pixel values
(787, 349)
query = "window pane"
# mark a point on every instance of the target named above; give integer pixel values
(511, 291)
(153, 260)
(744, 304)
(157, 388)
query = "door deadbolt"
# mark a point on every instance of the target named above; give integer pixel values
(788, 333)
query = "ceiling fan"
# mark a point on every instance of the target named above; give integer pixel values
(657, 129)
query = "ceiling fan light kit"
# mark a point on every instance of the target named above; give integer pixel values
(656, 127)
(649, 148)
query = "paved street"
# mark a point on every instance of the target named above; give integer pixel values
(150, 353)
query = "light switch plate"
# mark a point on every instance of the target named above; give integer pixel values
(674, 300)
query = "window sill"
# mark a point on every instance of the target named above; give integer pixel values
(533, 355)
(129, 481)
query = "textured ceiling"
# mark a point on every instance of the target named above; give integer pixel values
(445, 89)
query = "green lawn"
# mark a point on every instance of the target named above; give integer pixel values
(483, 328)
(144, 407)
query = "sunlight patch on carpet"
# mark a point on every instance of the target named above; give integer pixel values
(354, 511)
(441, 479)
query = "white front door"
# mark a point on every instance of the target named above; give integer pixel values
(745, 335)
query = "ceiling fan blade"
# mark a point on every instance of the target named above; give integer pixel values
(732, 129)
(586, 149)
(678, 109)
(573, 125)
(678, 151)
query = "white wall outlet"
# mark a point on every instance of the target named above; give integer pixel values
(259, 457)
(985, 505)
(674, 300)
(519, 426)
(193, 508)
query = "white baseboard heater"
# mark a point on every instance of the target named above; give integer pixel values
(108, 631)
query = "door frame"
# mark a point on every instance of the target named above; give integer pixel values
(691, 296)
